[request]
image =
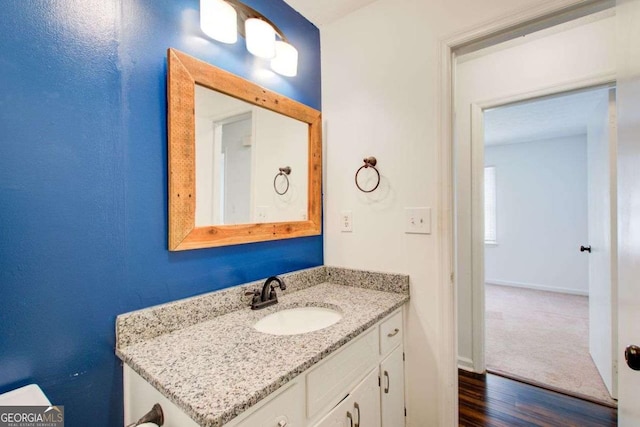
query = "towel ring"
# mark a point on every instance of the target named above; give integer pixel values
(369, 162)
(282, 172)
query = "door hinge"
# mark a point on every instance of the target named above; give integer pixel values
(451, 277)
(403, 357)
(405, 411)
(378, 380)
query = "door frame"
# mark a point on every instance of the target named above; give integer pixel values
(502, 29)
(477, 197)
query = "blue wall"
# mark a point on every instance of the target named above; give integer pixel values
(83, 185)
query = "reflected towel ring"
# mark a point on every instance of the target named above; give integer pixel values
(282, 172)
(369, 162)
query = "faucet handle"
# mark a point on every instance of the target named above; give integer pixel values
(256, 296)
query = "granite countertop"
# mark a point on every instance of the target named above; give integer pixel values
(216, 369)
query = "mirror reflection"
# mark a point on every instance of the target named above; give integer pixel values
(243, 154)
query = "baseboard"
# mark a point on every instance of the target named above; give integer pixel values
(465, 364)
(474, 375)
(537, 287)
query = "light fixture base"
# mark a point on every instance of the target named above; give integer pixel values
(245, 12)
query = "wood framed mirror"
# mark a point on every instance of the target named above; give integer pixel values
(220, 215)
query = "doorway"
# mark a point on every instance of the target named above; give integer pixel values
(549, 242)
(628, 92)
(542, 64)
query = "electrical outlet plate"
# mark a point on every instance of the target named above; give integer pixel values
(417, 220)
(346, 221)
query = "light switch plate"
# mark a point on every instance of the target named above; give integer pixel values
(417, 220)
(346, 221)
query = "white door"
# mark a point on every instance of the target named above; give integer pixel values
(602, 244)
(628, 94)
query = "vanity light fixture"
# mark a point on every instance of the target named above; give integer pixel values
(286, 59)
(220, 18)
(261, 38)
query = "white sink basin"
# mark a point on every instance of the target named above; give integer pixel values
(297, 320)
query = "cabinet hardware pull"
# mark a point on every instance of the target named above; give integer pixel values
(386, 389)
(350, 418)
(394, 333)
(282, 423)
(356, 407)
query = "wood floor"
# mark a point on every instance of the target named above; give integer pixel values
(492, 400)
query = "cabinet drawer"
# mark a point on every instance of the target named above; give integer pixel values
(391, 333)
(329, 383)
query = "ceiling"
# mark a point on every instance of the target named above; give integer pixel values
(551, 117)
(322, 12)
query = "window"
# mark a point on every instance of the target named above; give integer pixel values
(490, 233)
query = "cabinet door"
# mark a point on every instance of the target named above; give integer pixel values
(286, 409)
(392, 389)
(340, 416)
(366, 402)
(361, 408)
(330, 381)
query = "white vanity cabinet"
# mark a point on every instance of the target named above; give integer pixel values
(378, 400)
(286, 409)
(359, 385)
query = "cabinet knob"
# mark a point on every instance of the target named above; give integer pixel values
(632, 356)
(282, 423)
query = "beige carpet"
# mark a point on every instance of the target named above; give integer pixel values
(542, 337)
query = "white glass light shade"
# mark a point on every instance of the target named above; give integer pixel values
(261, 38)
(286, 60)
(218, 20)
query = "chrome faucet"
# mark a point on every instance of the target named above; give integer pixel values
(268, 295)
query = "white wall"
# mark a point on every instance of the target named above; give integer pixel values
(280, 141)
(380, 97)
(237, 171)
(211, 107)
(541, 189)
(275, 141)
(204, 130)
(628, 102)
(585, 52)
